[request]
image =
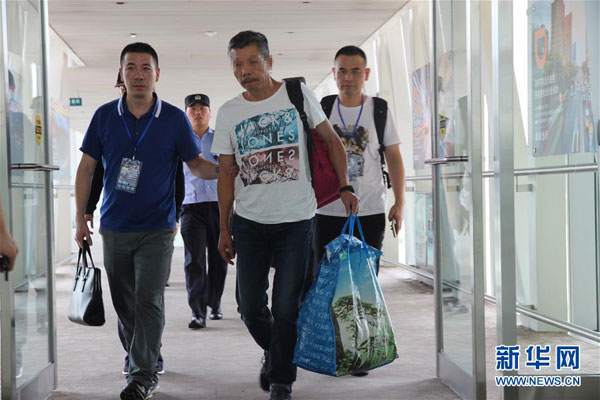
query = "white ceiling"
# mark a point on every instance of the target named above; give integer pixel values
(303, 37)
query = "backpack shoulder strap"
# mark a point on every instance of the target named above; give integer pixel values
(327, 104)
(380, 109)
(294, 91)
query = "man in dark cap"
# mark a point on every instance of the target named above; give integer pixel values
(200, 224)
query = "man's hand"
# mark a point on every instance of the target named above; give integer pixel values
(9, 248)
(89, 218)
(82, 232)
(226, 247)
(351, 202)
(395, 214)
(174, 231)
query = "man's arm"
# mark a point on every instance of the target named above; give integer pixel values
(225, 192)
(179, 193)
(337, 156)
(202, 168)
(83, 183)
(96, 189)
(397, 178)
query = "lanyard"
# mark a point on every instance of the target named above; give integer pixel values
(362, 103)
(135, 144)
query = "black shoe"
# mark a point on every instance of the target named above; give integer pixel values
(137, 391)
(281, 392)
(360, 373)
(215, 314)
(197, 323)
(263, 379)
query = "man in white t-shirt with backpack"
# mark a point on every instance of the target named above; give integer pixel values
(367, 130)
(261, 131)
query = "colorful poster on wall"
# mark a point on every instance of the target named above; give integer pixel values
(562, 117)
(421, 116)
(424, 229)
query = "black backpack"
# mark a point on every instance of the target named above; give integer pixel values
(380, 108)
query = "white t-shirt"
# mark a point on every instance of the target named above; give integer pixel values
(269, 143)
(362, 151)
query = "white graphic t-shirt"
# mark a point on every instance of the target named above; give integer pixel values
(269, 143)
(362, 152)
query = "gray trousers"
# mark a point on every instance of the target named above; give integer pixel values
(138, 266)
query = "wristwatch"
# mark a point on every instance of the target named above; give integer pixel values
(346, 188)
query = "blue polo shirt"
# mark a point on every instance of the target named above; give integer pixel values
(201, 190)
(169, 138)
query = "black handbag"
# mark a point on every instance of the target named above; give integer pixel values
(86, 307)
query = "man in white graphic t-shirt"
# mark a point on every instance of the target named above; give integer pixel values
(352, 115)
(261, 131)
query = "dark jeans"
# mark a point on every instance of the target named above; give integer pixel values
(137, 266)
(159, 361)
(288, 246)
(200, 232)
(328, 228)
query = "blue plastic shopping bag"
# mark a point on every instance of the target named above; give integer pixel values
(344, 326)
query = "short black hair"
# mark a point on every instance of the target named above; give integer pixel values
(11, 80)
(246, 38)
(350, 51)
(139, 47)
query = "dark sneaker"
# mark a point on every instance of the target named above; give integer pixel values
(215, 314)
(197, 323)
(126, 366)
(137, 391)
(281, 392)
(360, 373)
(263, 379)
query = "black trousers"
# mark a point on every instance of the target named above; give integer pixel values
(327, 228)
(200, 232)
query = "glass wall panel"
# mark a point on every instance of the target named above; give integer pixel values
(27, 144)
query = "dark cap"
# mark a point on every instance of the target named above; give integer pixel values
(197, 98)
(119, 80)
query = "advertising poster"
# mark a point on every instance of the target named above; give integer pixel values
(562, 117)
(421, 116)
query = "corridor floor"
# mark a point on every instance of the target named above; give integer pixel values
(222, 361)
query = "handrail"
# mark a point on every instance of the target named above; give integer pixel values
(566, 326)
(565, 169)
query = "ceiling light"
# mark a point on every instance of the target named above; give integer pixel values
(290, 32)
(279, 54)
(120, 3)
(133, 35)
(306, 2)
(210, 33)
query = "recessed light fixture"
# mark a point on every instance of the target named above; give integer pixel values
(306, 2)
(120, 3)
(279, 54)
(290, 32)
(210, 33)
(133, 35)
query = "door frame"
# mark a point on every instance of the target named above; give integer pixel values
(467, 384)
(45, 380)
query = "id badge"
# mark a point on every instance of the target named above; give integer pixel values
(129, 175)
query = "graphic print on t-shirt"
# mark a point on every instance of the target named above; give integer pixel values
(355, 148)
(268, 144)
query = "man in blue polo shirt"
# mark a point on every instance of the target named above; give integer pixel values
(200, 225)
(138, 139)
